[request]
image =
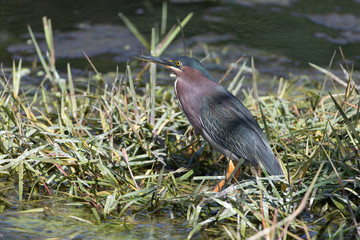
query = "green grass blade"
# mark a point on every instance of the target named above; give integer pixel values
(72, 92)
(16, 77)
(133, 95)
(38, 51)
(164, 18)
(134, 30)
(173, 35)
(347, 121)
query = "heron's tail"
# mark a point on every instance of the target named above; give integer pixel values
(270, 162)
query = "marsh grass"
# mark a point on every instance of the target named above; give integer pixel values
(117, 152)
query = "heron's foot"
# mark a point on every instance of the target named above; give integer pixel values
(229, 172)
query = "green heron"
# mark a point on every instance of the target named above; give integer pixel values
(217, 114)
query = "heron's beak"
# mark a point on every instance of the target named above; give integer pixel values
(166, 62)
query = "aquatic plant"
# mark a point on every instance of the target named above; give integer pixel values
(119, 151)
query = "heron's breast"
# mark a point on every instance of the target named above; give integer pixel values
(190, 99)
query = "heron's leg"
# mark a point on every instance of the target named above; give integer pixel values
(229, 173)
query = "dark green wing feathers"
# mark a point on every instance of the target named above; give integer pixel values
(230, 125)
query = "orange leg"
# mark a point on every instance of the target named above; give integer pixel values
(230, 169)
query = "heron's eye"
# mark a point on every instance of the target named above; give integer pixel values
(178, 63)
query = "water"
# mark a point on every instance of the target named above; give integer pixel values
(283, 36)
(63, 220)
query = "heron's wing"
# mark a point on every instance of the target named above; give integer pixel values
(230, 125)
